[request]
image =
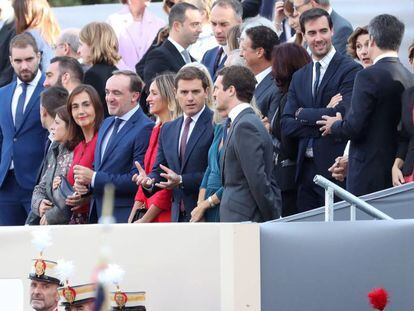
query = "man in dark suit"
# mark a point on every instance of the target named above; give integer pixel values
(122, 139)
(247, 162)
(372, 121)
(22, 136)
(342, 28)
(256, 48)
(224, 15)
(7, 32)
(309, 98)
(183, 146)
(184, 22)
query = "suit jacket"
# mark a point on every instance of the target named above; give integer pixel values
(117, 164)
(339, 78)
(342, 30)
(7, 32)
(195, 160)
(24, 145)
(209, 60)
(246, 171)
(97, 76)
(406, 142)
(371, 125)
(251, 8)
(267, 96)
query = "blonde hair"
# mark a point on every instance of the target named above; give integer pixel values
(102, 40)
(165, 85)
(36, 14)
(202, 5)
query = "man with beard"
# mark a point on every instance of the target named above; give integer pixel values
(64, 71)
(22, 137)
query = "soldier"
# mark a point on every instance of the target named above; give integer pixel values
(128, 301)
(80, 297)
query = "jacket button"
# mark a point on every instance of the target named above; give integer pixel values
(14, 139)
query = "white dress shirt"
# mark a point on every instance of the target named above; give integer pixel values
(237, 110)
(261, 75)
(324, 65)
(192, 125)
(387, 54)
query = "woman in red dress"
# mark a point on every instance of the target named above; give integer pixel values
(87, 113)
(163, 105)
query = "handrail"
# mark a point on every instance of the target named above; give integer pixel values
(331, 189)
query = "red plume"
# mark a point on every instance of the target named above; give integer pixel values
(378, 298)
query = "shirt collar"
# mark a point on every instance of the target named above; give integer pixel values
(261, 75)
(327, 58)
(129, 114)
(34, 82)
(384, 55)
(329, 10)
(177, 45)
(237, 109)
(196, 116)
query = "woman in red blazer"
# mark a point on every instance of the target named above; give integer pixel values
(163, 105)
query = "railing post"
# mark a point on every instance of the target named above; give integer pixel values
(352, 216)
(329, 202)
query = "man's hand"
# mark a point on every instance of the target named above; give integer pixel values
(83, 175)
(141, 178)
(173, 179)
(44, 206)
(266, 123)
(327, 123)
(339, 168)
(335, 100)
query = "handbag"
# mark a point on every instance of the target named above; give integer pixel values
(139, 214)
(61, 193)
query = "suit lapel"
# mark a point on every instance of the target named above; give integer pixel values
(8, 100)
(176, 134)
(330, 71)
(308, 84)
(263, 86)
(176, 55)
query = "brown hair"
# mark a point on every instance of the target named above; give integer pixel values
(165, 85)
(351, 46)
(63, 114)
(233, 37)
(36, 14)
(53, 98)
(288, 7)
(191, 73)
(75, 131)
(242, 79)
(287, 58)
(135, 82)
(102, 40)
(411, 52)
(22, 41)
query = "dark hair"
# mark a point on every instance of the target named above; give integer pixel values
(411, 52)
(177, 13)
(135, 82)
(71, 65)
(351, 46)
(287, 59)
(63, 114)
(387, 31)
(242, 79)
(75, 131)
(52, 98)
(263, 37)
(191, 73)
(234, 4)
(311, 15)
(22, 41)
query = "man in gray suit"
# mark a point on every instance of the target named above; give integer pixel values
(247, 162)
(256, 48)
(342, 28)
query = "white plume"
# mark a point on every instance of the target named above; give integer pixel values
(41, 239)
(112, 274)
(64, 269)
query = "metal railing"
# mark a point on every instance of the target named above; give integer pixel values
(331, 189)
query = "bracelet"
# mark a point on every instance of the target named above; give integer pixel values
(210, 201)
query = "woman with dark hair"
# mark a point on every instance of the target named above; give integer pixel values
(358, 46)
(287, 58)
(43, 203)
(86, 115)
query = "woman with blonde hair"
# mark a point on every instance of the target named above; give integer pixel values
(37, 18)
(164, 106)
(99, 48)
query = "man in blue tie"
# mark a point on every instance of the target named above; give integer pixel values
(122, 139)
(22, 137)
(312, 95)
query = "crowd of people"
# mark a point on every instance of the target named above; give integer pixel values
(215, 117)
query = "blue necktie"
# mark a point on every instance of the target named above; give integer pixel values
(317, 79)
(226, 128)
(20, 106)
(117, 123)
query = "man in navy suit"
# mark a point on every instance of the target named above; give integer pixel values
(342, 28)
(224, 15)
(375, 113)
(309, 98)
(256, 48)
(183, 146)
(22, 136)
(122, 139)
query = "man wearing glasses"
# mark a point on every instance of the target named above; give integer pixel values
(342, 28)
